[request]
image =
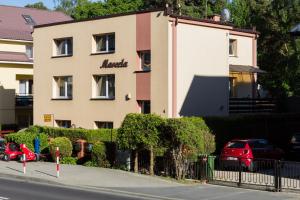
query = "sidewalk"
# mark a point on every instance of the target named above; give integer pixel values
(127, 183)
(76, 175)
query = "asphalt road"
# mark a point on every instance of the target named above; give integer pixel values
(13, 189)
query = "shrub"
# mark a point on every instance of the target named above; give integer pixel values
(65, 147)
(27, 138)
(69, 161)
(99, 154)
(90, 163)
(92, 136)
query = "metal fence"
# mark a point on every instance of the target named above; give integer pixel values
(273, 175)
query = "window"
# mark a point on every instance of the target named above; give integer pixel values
(63, 123)
(104, 86)
(145, 60)
(64, 46)
(29, 51)
(105, 43)
(236, 145)
(145, 107)
(232, 87)
(232, 47)
(25, 87)
(63, 87)
(108, 125)
(28, 19)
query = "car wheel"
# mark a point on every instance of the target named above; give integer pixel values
(6, 157)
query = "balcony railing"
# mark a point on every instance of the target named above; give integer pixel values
(24, 100)
(248, 105)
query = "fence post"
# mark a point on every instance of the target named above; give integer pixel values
(240, 173)
(24, 163)
(57, 162)
(276, 176)
(279, 176)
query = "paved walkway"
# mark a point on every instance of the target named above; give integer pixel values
(126, 183)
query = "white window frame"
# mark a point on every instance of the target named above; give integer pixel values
(27, 87)
(31, 49)
(234, 47)
(66, 46)
(106, 87)
(56, 91)
(106, 43)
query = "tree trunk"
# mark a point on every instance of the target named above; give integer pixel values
(151, 167)
(136, 161)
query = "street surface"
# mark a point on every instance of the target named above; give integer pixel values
(11, 189)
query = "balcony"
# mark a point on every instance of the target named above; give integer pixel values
(24, 100)
(251, 105)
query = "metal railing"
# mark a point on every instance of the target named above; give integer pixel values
(250, 105)
(24, 100)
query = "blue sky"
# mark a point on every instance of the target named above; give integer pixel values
(48, 3)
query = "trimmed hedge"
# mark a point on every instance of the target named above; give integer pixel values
(65, 147)
(99, 154)
(27, 138)
(92, 136)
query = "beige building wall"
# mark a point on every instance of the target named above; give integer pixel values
(202, 71)
(9, 86)
(160, 65)
(13, 46)
(82, 66)
(244, 51)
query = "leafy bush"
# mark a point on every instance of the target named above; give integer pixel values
(99, 154)
(92, 136)
(90, 163)
(69, 161)
(65, 147)
(27, 138)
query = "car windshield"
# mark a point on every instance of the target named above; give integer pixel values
(236, 144)
(258, 144)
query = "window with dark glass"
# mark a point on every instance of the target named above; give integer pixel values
(108, 125)
(29, 51)
(104, 86)
(105, 43)
(28, 19)
(145, 60)
(232, 47)
(145, 107)
(63, 123)
(64, 46)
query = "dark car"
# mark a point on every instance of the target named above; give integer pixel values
(248, 150)
(295, 147)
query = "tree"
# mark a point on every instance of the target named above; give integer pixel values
(182, 140)
(39, 5)
(66, 6)
(240, 13)
(140, 132)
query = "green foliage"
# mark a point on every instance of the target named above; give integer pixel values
(99, 154)
(90, 163)
(92, 136)
(68, 160)
(65, 147)
(38, 5)
(27, 138)
(139, 131)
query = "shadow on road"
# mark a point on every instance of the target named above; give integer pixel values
(14, 169)
(45, 173)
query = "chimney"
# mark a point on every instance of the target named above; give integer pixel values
(215, 17)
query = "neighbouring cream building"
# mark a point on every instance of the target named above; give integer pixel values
(91, 73)
(16, 61)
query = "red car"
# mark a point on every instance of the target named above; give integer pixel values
(249, 149)
(14, 152)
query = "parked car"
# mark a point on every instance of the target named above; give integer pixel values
(294, 147)
(247, 151)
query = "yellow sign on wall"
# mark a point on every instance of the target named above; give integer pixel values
(47, 118)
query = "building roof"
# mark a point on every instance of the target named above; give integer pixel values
(14, 26)
(147, 11)
(245, 68)
(14, 57)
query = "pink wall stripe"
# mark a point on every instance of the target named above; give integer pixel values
(143, 31)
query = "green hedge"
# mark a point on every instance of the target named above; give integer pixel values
(27, 138)
(92, 136)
